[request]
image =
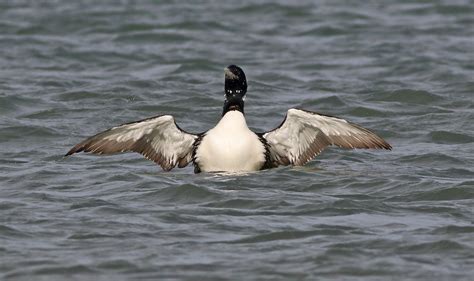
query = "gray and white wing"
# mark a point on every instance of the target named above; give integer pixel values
(158, 139)
(304, 134)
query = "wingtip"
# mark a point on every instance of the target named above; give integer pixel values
(75, 149)
(384, 145)
(70, 152)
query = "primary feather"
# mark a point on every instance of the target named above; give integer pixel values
(304, 134)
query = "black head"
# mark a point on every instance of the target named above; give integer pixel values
(235, 88)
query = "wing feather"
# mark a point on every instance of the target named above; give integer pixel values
(158, 139)
(304, 134)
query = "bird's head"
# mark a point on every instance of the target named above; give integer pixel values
(235, 88)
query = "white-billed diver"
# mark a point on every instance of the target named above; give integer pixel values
(231, 146)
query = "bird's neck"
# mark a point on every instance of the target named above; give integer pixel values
(237, 105)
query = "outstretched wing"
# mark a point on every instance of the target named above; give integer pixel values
(158, 139)
(304, 134)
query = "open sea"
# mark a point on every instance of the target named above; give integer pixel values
(70, 69)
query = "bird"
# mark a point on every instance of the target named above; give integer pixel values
(230, 146)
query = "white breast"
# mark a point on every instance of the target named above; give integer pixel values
(230, 147)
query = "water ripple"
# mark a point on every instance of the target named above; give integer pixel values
(73, 68)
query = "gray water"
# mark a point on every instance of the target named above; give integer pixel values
(69, 69)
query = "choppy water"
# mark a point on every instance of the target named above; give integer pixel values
(69, 69)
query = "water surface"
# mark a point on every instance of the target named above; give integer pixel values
(69, 69)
